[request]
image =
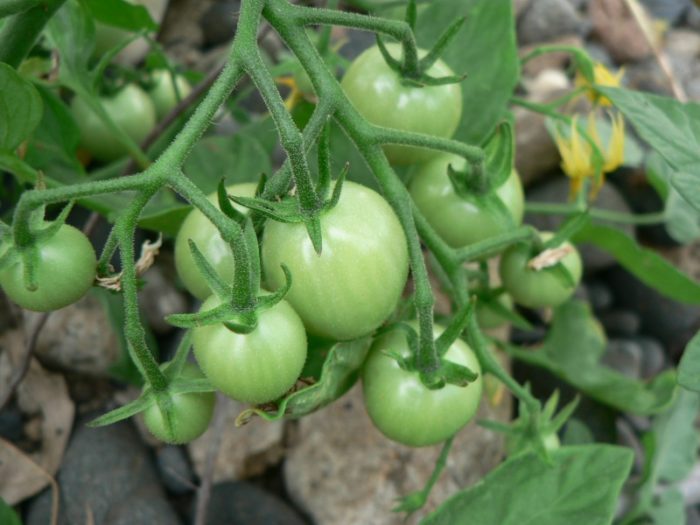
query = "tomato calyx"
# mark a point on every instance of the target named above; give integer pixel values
(413, 70)
(535, 430)
(289, 209)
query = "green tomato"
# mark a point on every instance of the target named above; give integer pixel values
(461, 221)
(537, 288)
(190, 416)
(65, 271)
(256, 367)
(131, 109)
(205, 235)
(488, 317)
(352, 287)
(380, 95)
(402, 408)
(163, 92)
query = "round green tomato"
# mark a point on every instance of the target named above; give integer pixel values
(355, 283)
(459, 221)
(537, 288)
(256, 367)
(65, 271)
(379, 94)
(488, 317)
(205, 235)
(131, 109)
(190, 416)
(402, 408)
(163, 92)
(518, 444)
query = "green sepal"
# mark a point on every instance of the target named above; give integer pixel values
(186, 386)
(444, 40)
(9, 257)
(243, 322)
(285, 210)
(251, 240)
(49, 231)
(215, 283)
(270, 300)
(454, 329)
(324, 162)
(174, 367)
(499, 154)
(337, 189)
(225, 204)
(406, 364)
(219, 314)
(140, 404)
(313, 228)
(390, 60)
(339, 373)
(562, 274)
(453, 374)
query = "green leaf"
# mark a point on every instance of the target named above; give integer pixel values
(668, 509)
(7, 515)
(488, 57)
(124, 412)
(676, 439)
(72, 32)
(340, 371)
(689, 368)
(499, 149)
(122, 14)
(572, 351)
(579, 487)
(649, 267)
(671, 128)
(20, 108)
(235, 158)
(682, 220)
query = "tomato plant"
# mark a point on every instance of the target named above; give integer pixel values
(538, 288)
(383, 98)
(355, 283)
(130, 108)
(463, 220)
(203, 233)
(65, 271)
(163, 93)
(256, 367)
(403, 408)
(190, 415)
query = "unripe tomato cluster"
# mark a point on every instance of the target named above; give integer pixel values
(347, 291)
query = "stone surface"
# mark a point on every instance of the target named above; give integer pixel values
(616, 28)
(234, 503)
(682, 48)
(653, 356)
(218, 22)
(244, 451)
(624, 323)
(159, 298)
(672, 11)
(78, 338)
(106, 478)
(10, 423)
(625, 356)
(536, 154)
(599, 295)
(342, 471)
(556, 191)
(671, 322)
(546, 20)
(175, 470)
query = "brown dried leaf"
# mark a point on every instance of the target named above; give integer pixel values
(549, 257)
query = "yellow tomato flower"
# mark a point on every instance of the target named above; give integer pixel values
(602, 76)
(295, 96)
(576, 155)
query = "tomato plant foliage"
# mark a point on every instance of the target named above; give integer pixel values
(310, 281)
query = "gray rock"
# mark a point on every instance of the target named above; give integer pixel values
(670, 10)
(616, 28)
(671, 322)
(175, 470)
(11, 424)
(653, 356)
(693, 17)
(342, 471)
(692, 516)
(218, 23)
(159, 298)
(625, 356)
(648, 76)
(545, 20)
(623, 323)
(238, 502)
(535, 152)
(106, 478)
(78, 338)
(599, 295)
(557, 191)
(599, 53)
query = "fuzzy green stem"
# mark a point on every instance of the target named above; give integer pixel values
(495, 244)
(596, 213)
(20, 32)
